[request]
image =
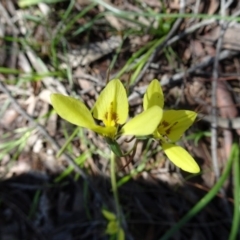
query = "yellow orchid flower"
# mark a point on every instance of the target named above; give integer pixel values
(111, 108)
(170, 128)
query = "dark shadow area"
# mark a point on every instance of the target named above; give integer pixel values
(33, 206)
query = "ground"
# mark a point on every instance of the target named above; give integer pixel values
(56, 178)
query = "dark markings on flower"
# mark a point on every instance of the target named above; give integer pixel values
(110, 115)
(164, 124)
(168, 131)
(114, 117)
(170, 128)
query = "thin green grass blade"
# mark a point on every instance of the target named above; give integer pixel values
(35, 19)
(236, 212)
(34, 204)
(4, 107)
(56, 39)
(67, 142)
(137, 71)
(79, 160)
(196, 137)
(120, 13)
(86, 200)
(69, 9)
(88, 25)
(137, 54)
(64, 174)
(15, 142)
(9, 70)
(135, 171)
(22, 144)
(27, 3)
(118, 50)
(144, 59)
(207, 198)
(75, 19)
(64, 31)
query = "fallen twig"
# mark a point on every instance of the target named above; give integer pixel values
(179, 76)
(233, 123)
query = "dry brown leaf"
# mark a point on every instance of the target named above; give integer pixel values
(93, 52)
(228, 110)
(213, 6)
(225, 102)
(9, 117)
(113, 21)
(197, 49)
(231, 38)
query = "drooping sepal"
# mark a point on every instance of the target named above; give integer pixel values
(180, 157)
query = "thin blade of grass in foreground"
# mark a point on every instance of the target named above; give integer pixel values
(27, 3)
(236, 212)
(125, 14)
(66, 29)
(69, 139)
(207, 198)
(34, 205)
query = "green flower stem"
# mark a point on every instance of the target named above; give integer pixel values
(207, 198)
(114, 185)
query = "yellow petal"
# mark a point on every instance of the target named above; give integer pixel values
(145, 123)
(121, 234)
(177, 121)
(109, 215)
(153, 95)
(112, 227)
(112, 104)
(72, 110)
(105, 131)
(180, 157)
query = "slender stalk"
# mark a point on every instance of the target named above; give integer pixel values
(114, 185)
